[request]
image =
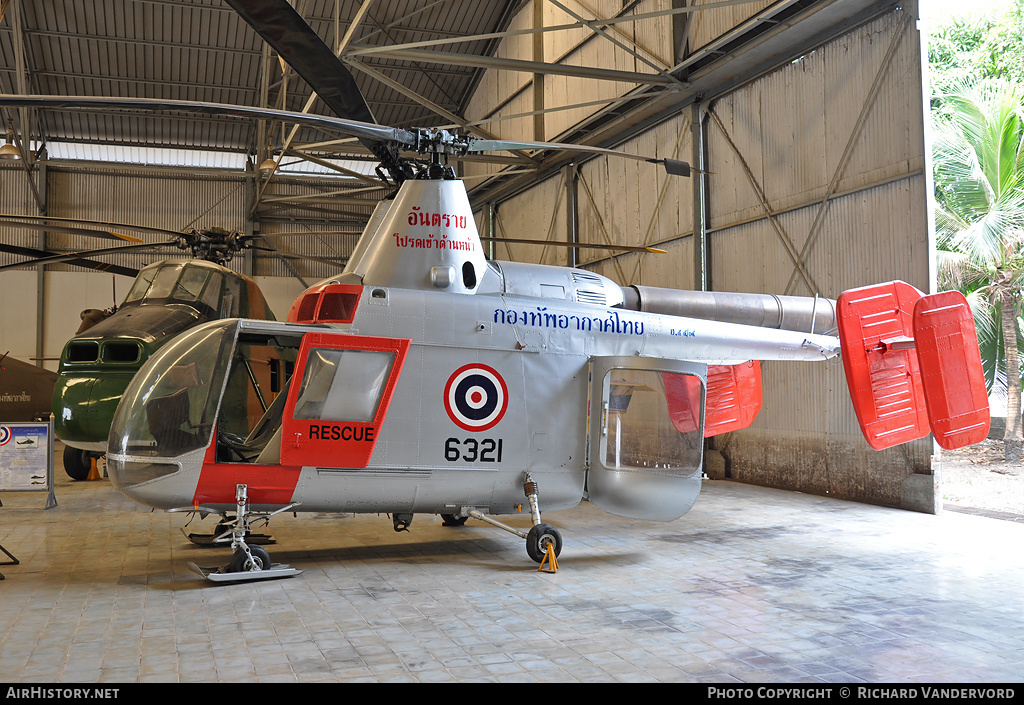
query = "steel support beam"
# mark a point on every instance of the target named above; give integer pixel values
(539, 132)
(572, 212)
(521, 65)
(698, 131)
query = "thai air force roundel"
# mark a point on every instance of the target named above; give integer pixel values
(5, 434)
(475, 397)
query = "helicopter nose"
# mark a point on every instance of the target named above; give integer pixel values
(125, 474)
(133, 477)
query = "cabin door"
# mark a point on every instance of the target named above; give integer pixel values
(339, 396)
(647, 436)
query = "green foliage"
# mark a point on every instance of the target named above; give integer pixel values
(976, 64)
(976, 49)
(978, 156)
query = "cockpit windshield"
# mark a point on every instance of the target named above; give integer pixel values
(170, 405)
(184, 282)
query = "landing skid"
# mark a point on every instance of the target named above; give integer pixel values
(249, 561)
(221, 575)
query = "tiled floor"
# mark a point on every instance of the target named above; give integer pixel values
(753, 585)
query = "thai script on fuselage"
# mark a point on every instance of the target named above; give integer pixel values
(436, 220)
(433, 242)
(437, 241)
(542, 318)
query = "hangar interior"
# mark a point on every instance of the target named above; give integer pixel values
(807, 118)
(804, 120)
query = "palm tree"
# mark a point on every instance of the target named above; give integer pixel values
(979, 183)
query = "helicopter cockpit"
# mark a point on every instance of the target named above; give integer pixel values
(188, 389)
(177, 391)
(190, 282)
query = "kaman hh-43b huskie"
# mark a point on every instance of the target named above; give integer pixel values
(426, 379)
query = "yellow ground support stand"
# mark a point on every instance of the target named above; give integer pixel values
(94, 471)
(550, 559)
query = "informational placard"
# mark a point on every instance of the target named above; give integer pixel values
(26, 457)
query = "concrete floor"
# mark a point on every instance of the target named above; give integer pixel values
(753, 585)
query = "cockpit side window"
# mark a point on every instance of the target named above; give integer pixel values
(142, 284)
(190, 284)
(229, 305)
(163, 285)
(343, 385)
(211, 294)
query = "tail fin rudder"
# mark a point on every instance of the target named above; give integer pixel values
(912, 365)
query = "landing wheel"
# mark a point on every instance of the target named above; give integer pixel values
(453, 520)
(240, 562)
(537, 541)
(77, 463)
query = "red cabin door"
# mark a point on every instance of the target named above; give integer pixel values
(338, 398)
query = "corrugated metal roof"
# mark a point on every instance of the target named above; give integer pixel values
(201, 50)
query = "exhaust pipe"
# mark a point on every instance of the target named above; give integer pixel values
(797, 313)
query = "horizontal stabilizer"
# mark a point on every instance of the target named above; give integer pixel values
(912, 365)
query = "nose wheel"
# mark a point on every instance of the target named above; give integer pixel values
(248, 559)
(248, 562)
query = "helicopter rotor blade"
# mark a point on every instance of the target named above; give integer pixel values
(300, 233)
(280, 26)
(103, 225)
(78, 262)
(50, 258)
(672, 166)
(284, 29)
(352, 128)
(51, 227)
(557, 243)
(383, 137)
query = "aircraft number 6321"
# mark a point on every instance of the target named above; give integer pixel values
(471, 450)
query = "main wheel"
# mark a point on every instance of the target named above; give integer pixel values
(77, 463)
(453, 520)
(240, 562)
(539, 538)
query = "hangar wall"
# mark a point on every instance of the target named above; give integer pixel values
(835, 143)
(821, 162)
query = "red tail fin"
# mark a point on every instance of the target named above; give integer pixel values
(891, 333)
(954, 384)
(733, 398)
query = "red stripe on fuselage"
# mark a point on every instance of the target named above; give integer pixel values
(266, 484)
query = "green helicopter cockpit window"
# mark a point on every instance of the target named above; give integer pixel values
(164, 283)
(211, 294)
(230, 304)
(190, 284)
